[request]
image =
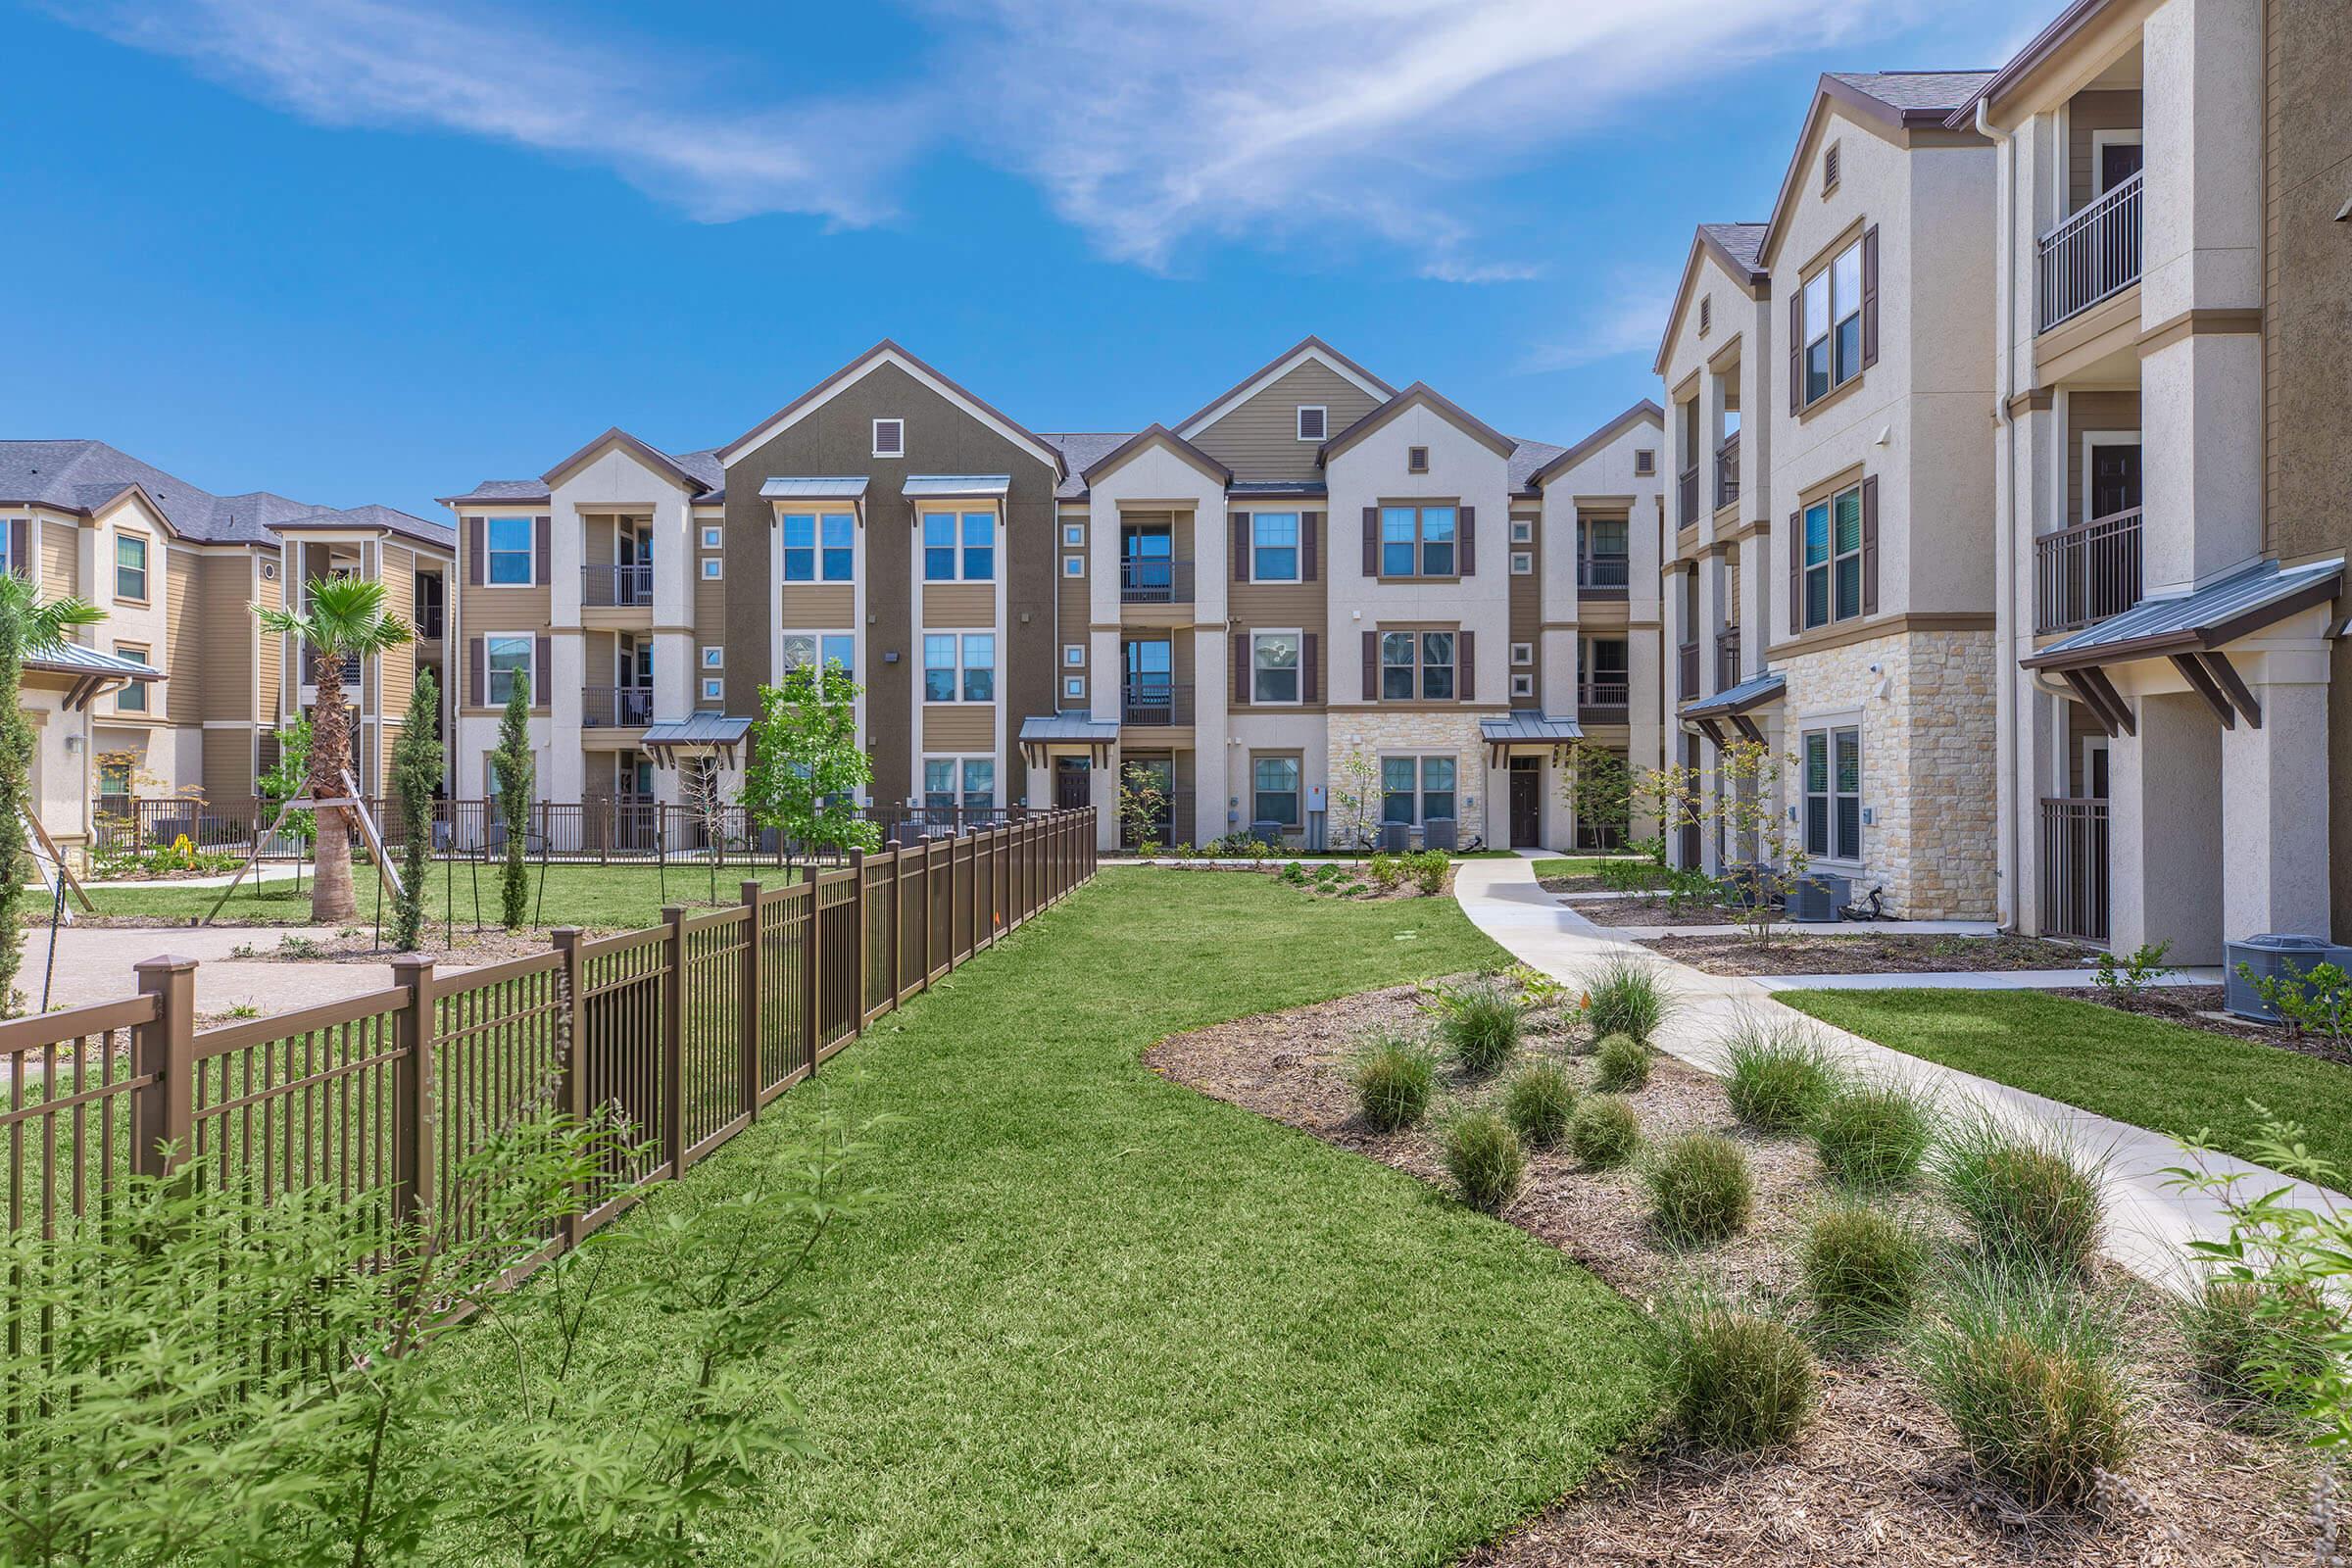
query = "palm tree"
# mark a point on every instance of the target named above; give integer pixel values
(343, 618)
(27, 626)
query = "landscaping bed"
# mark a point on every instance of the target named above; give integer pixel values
(1364, 881)
(2200, 1007)
(1879, 1476)
(1623, 912)
(1794, 951)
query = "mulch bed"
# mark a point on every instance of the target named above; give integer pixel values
(2200, 1007)
(1793, 951)
(1879, 1477)
(1652, 911)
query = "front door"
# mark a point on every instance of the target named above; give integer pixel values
(1527, 804)
(2113, 478)
(1073, 783)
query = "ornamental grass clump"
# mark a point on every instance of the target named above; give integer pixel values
(2030, 1200)
(1480, 1024)
(1484, 1158)
(1621, 1063)
(1538, 1104)
(1394, 1078)
(1624, 996)
(1604, 1132)
(1864, 1269)
(1701, 1189)
(1872, 1136)
(1734, 1378)
(2031, 1374)
(1776, 1078)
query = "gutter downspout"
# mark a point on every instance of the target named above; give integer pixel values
(2008, 829)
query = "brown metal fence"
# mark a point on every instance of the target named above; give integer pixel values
(683, 1030)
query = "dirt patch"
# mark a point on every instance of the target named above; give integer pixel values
(1880, 1476)
(1652, 911)
(2200, 1007)
(1792, 951)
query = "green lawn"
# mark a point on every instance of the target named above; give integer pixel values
(617, 897)
(2140, 1070)
(1575, 865)
(1102, 1319)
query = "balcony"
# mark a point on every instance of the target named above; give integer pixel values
(1605, 699)
(1686, 498)
(1686, 683)
(2086, 573)
(1602, 576)
(615, 706)
(2093, 254)
(1155, 580)
(308, 664)
(612, 587)
(1156, 704)
(1726, 471)
(1727, 659)
(2074, 869)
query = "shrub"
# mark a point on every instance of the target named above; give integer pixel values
(2030, 1373)
(1872, 1136)
(1392, 1080)
(1485, 1159)
(1539, 1102)
(2027, 1198)
(1604, 1132)
(1292, 874)
(1427, 869)
(1621, 1063)
(2251, 1344)
(1624, 998)
(1699, 1188)
(1387, 871)
(1778, 1077)
(2124, 978)
(1863, 1268)
(1479, 1022)
(1733, 1379)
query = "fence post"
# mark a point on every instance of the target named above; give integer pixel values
(673, 1043)
(412, 1091)
(164, 1052)
(750, 1006)
(811, 986)
(858, 954)
(571, 1075)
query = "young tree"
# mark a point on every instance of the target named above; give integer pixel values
(1775, 863)
(1599, 789)
(806, 767)
(700, 790)
(1141, 804)
(288, 780)
(416, 773)
(1355, 804)
(27, 624)
(343, 618)
(516, 778)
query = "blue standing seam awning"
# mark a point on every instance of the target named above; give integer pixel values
(1069, 728)
(716, 733)
(1734, 702)
(1524, 726)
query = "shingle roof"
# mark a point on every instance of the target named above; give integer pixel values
(494, 491)
(1525, 458)
(80, 475)
(389, 519)
(2215, 615)
(1742, 242)
(1916, 91)
(1081, 451)
(703, 466)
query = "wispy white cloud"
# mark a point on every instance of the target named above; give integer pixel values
(1627, 320)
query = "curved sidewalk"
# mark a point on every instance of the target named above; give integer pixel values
(2149, 1221)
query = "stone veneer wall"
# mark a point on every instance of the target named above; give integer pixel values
(1928, 762)
(1378, 732)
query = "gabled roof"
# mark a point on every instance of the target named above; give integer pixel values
(1893, 103)
(500, 492)
(1307, 348)
(1081, 451)
(2045, 44)
(1736, 248)
(1157, 436)
(1419, 395)
(2220, 613)
(1645, 412)
(371, 518)
(661, 463)
(883, 353)
(698, 471)
(85, 476)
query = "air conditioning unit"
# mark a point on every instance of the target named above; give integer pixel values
(2271, 955)
(1441, 833)
(1396, 837)
(1267, 832)
(1818, 898)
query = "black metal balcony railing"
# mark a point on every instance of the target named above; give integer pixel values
(609, 586)
(1156, 702)
(1727, 659)
(2091, 255)
(1726, 471)
(2074, 869)
(308, 664)
(2086, 573)
(1604, 576)
(1604, 697)
(1686, 498)
(1155, 580)
(622, 707)
(1686, 682)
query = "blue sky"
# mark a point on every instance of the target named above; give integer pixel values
(376, 250)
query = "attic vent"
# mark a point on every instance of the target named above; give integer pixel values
(1829, 170)
(269, 571)
(1416, 460)
(1645, 461)
(890, 438)
(1707, 314)
(1311, 421)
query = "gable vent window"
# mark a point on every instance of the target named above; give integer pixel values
(1311, 421)
(890, 438)
(1706, 314)
(1645, 461)
(1829, 170)
(1416, 460)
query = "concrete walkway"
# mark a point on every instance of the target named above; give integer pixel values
(1840, 928)
(94, 964)
(1970, 980)
(2149, 1222)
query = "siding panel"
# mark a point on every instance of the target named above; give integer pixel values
(958, 728)
(1259, 440)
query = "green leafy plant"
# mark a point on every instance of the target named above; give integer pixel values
(1735, 1380)
(1144, 805)
(1597, 786)
(2029, 1199)
(2127, 978)
(1743, 806)
(1479, 1022)
(1778, 1076)
(1604, 1132)
(1872, 1136)
(416, 764)
(1620, 1064)
(1484, 1158)
(2317, 1001)
(807, 768)
(1864, 1268)
(1394, 1078)
(1701, 1189)
(1625, 996)
(28, 623)
(1387, 871)
(1427, 868)
(1292, 875)
(512, 766)
(2256, 1354)
(1538, 1104)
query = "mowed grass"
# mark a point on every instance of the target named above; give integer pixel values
(2142, 1071)
(615, 898)
(1102, 1319)
(1576, 865)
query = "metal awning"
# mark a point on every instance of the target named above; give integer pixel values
(1069, 728)
(94, 672)
(1734, 702)
(1524, 726)
(670, 739)
(955, 486)
(813, 487)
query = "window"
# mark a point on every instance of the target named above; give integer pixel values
(503, 659)
(711, 537)
(960, 546)
(1073, 654)
(1416, 662)
(1522, 655)
(1274, 790)
(1833, 762)
(1832, 323)
(817, 549)
(977, 776)
(714, 658)
(1274, 666)
(1416, 460)
(715, 688)
(1833, 544)
(1829, 170)
(836, 652)
(1645, 461)
(1073, 688)
(131, 699)
(1410, 784)
(1523, 530)
(1523, 685)
(507, 552)
(130, 565)
(890, 438)
(1274, 547)
(1312, 419)
(1416, 541)
(960, 668)
(713, 570)
(1073, 565)
(1523, 562)
(114, 776)
(1073, 534)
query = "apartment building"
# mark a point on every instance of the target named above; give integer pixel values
(1029, 613)
(1829, 583)
(179, 691)
(2175, 254)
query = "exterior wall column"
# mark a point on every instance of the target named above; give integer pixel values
(2274, 813)
(1711, 437)
(1211, 764)
(2165, 830)
(1716, 611)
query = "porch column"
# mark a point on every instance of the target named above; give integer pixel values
(1211, 785)
(2165, 830)
(1754, 609)
(2275, 815)
(1716, 611)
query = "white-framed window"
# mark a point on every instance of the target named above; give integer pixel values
(1274, 790)
(1832, 323)
(1416, 460)
(1273, 547)
(890, 438)
(960, 667)
(1414, 789)
(1274, 666)
(1314, 421)
(818, 548)
(130, 566)
(1523, 685)
(830, 650)
(2114, 157)
(1523, 562)
(715, 688)
(1523, 530)
(1073, 688)
(713, 568)
(714, 657)
(131, 699)
(1833, 786)
(507, 552)
(953, 781)
(1416, 664)
(1645, 461)
(1833, 558)
(1417, 541)
(1073, 565)
(1522, 655)
(1073, 536)
(1074, 654)
(959, 547)
(503, 655)
(713, 536)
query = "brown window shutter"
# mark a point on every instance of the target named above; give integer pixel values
(1468, 541)
(20, 558)
(1797, 349)
(1870, 296)
(542, 539)
(542, 676)
(1241, 670)
(1797, 572)
(477, 676)
(1310, 667)
(1240, 545)
(474, 528)
(1310, 524)
(1371, 667)
(1371, 541)
(1466, 679)
(1870, 544)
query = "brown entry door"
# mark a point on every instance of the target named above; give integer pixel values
(1527, 809)
(1073, 783)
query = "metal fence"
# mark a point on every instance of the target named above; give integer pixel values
(2075, 842)
(683, 1030)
